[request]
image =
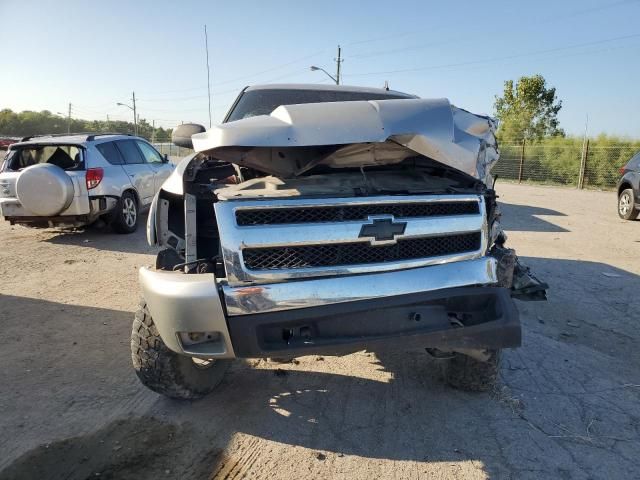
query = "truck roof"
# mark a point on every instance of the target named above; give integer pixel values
(318, 86)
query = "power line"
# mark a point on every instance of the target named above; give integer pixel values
(294, 74)
(386, 37)
(244, 77)
(100, 107)
(554, 57)
(181, 99)
(494, 59)
(197, 109)
(457, 39)
(404, 49)
(306, 57)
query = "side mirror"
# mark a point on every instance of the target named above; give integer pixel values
(181, 135)
(165, 158)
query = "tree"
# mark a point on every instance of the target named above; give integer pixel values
(528, 111)
(16, 124)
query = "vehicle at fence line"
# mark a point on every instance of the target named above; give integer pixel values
(326, 220)
(629, 189)
(5, 142)
(72, 180)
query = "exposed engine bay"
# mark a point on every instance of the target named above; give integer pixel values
(451, 155)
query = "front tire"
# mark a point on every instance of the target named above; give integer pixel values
(467, 373)
(166, 372)
(126, 214)
(626, 205)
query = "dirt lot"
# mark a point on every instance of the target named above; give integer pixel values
(567, 405)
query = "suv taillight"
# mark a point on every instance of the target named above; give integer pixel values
(94, 177)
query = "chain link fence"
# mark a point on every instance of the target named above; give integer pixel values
(172, 150)
(572, 162)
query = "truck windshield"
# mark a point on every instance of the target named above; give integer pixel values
(263, 102)
(67, 157)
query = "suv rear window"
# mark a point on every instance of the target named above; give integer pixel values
(110, 153)
(67, 157)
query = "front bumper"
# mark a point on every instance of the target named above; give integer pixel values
(410, 308)
(407, 322)
(186, 303)
(352, 288)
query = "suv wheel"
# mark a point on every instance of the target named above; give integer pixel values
(166, 372)
(626, 205)
(468, 373)
(126, 214)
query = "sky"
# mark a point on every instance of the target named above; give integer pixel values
(94, 54)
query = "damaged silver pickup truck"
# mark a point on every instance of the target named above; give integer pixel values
(327, 220)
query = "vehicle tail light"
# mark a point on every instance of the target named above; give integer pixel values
(621, 170)
(94, 177)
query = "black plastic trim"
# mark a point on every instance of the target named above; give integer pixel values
(489, 313)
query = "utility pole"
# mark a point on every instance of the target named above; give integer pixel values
(69, 119)
(135, 116)
(206, 46)
(153, 132)
(133, 109)
(521, 168)
(338, 60)
(585, 152)
(583, 165)
(108, 127)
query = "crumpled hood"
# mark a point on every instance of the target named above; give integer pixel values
(295, 138)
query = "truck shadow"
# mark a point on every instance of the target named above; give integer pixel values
(100, 237)
(566, 403)
(526, 218)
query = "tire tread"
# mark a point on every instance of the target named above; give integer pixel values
(165, 371)
(466, 373)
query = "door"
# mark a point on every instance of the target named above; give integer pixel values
(160, 169)
(139, 172)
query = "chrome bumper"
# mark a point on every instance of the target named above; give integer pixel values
(325, 291)
(186, 303)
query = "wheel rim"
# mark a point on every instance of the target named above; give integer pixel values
(203, 363)
(129, 211)
(624, 205)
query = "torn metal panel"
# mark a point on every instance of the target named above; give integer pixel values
(295, 138)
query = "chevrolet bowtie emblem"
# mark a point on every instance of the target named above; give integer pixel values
(382, 230)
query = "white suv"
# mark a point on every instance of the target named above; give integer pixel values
(72, 180)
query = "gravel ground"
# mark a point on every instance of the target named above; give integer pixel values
(566, 406)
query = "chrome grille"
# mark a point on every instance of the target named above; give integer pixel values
(357, 253)
(279, 239)
(273, 216)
